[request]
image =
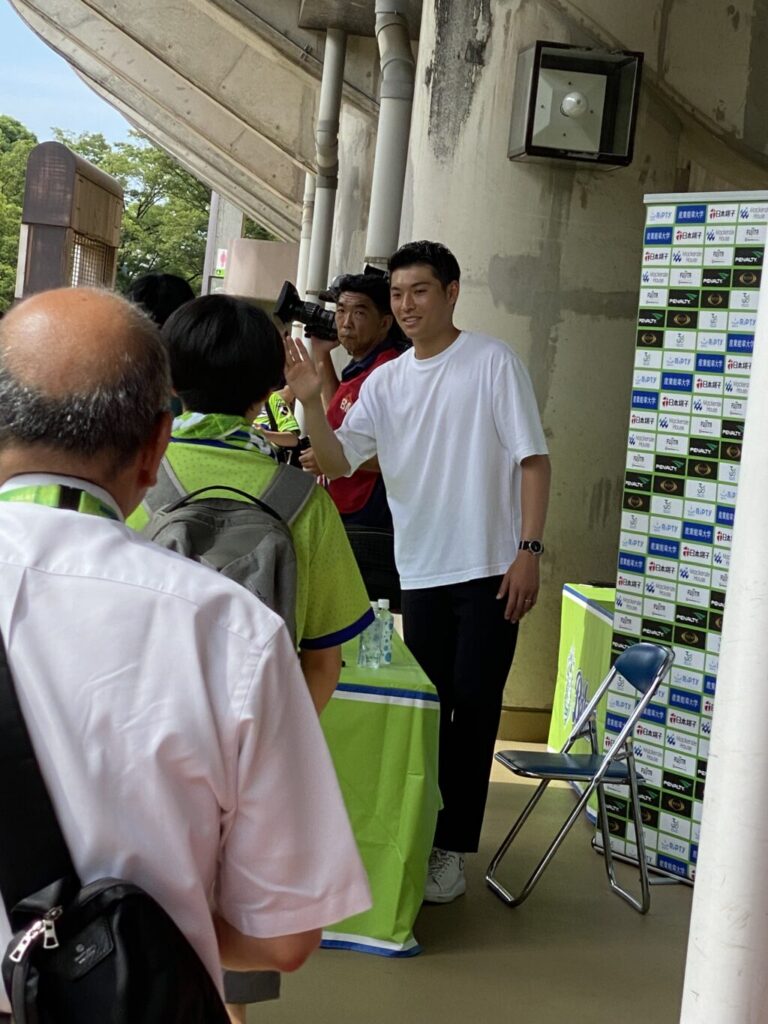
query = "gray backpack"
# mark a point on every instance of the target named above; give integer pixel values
(246, 539)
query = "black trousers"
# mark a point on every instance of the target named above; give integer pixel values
(459, 636)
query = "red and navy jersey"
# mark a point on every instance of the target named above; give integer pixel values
(351, 494)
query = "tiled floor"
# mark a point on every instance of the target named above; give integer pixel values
(572, 954)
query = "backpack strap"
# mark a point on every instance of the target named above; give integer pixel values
(167, 489)
(288, 492)
(34, 852)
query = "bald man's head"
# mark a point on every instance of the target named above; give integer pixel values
(81, 371)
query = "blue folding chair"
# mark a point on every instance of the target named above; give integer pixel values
(644, 666)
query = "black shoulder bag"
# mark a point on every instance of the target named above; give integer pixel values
(102, 952)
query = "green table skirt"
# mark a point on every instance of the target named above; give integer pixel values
(382, 731)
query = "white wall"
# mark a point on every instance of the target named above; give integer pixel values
(551, 262)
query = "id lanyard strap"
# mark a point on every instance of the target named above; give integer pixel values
(59, 496)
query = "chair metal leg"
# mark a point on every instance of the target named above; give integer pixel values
(490, 877)
(642, 905)
(521, 819)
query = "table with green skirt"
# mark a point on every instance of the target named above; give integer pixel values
(586, 627)
(382, 731)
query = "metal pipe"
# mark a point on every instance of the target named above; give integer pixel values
(327, 142)
(398, 71)
(307, 214)
(725, 978)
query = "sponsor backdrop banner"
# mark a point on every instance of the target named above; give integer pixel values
(701, 273)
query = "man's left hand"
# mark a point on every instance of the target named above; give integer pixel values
(520, 586)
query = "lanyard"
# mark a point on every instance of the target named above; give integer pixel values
(58, 496)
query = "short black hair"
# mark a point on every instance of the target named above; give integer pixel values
(374, 286)
(439, 257)
(159, 295)
(225, 354)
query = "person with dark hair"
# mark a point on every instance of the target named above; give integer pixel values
(226, 356)
(367, 331)
(438, 257)
(159, 295)
(164, 702)
(468, 483)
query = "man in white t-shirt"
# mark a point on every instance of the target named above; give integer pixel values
(455, 427)
(165, 703)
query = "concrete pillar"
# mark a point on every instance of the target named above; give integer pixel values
(357, 141)
(550, 256)
(225, 222)
(725, 978)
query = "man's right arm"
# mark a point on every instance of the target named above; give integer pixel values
(285, 953)
(304, 381)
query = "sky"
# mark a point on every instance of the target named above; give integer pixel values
(41, 90)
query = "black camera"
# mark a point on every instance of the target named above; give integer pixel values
(319, 322)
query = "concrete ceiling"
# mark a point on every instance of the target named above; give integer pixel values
(229, 91)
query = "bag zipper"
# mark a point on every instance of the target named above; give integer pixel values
(46, 927)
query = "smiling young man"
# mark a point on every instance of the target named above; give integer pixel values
(364, 323)
(467, 483)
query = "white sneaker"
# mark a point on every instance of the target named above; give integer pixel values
(445, 876)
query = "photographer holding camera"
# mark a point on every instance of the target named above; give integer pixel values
(366, 330)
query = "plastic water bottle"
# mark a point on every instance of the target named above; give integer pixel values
(369, 651)
(387, 626)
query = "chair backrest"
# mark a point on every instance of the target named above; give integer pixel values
(643, 665)
(640, 664)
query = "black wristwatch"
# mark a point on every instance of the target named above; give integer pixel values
(534, 546)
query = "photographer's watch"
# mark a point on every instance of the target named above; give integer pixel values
(534, 546)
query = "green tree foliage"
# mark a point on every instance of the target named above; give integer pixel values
(165, 221)
(15, 144)
(253, 230)
(166, 209)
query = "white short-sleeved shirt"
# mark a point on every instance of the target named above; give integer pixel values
(450, 433)
(174, 730)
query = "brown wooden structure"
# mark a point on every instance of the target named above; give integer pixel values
(71, 219)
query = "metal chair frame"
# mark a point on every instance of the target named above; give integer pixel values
(620, 753)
